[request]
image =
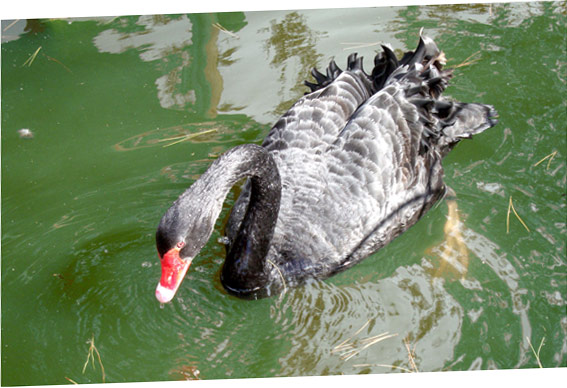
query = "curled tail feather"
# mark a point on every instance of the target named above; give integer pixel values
(421, 76)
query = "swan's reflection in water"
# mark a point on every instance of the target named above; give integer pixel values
(453, 251)
(408, 305)
(416, 312)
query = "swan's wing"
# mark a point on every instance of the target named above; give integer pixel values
(367, 187)
(382, 172)
(380, 175)
(315, 120)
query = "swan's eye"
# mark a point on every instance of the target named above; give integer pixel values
(180, 244)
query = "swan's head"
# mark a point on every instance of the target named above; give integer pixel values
(188, 224)
(173, 270)
(182, 232)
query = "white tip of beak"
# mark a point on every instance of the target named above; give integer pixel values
(164, 295)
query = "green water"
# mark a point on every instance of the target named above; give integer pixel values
(81, 199)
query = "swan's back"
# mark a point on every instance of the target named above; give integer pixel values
(360, 160)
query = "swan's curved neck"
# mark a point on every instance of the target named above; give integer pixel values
(244, 269)
(194, 214)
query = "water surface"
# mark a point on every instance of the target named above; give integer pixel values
(104, 99)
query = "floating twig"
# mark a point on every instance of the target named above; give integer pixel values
(469, 61)
(71, 380)
(411, 356)
(550, 156)
(384, 366)
(217, 25)
(179, 139)
(358, 45)
(347, 346)
(511, 207)
(370, 341)
(281, 275)
(30, 60)
(10, 25)
(536, 354)
(59, 62)
(349, 338)
(90, 356)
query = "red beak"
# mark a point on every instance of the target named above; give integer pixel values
(173, 269)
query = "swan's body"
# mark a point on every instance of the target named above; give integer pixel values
(348, 168)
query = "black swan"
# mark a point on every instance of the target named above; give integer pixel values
(352, 164)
